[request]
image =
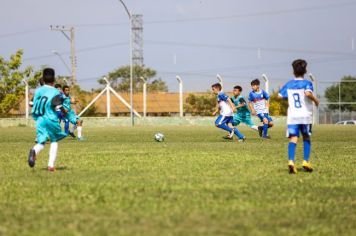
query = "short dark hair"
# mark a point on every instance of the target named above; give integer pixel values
(65, 86)
(299, 67)
(57, 86)
(238, 88)
(41, 81)
(217, 85)
(255, 82)
(48, 75)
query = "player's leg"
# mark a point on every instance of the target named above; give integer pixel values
(56, 134)
(264, 121)
(306, 131)
(66, 126)
(235, 122)
(248, 121)
(41, 138)
(236, 131)
(79, 128)
(293, 135)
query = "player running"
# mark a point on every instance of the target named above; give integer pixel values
(71, 116)
(299, 93)
(226, 112)
(259, 105)
(46, 101)
(61, 115)
(243, 114)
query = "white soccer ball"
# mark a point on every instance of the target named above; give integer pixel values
(159, 137)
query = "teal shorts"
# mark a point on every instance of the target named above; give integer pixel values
(72, 117)
(46, 128)
(242, 119)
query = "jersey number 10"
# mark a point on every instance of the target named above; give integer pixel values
(40, 106)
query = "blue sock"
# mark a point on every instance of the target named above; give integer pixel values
(66, 127)
(265, 129)
(291, 151)
(307, 147)
(225, 127)
(238, 134)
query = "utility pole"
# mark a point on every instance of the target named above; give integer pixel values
(71, 39)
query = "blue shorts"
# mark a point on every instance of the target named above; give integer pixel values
(223, 120)
(72, 117)
(46, 128)
(242, 119)
(61, 116)
(295, 130)
(264, 115)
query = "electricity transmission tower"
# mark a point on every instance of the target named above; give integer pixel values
(137, 39)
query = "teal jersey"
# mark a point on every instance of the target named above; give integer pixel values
(244, 111)
(43, 104)
(66, 103)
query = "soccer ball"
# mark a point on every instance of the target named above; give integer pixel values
(159, 137)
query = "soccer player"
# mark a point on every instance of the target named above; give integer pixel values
(226, 112)
(46, 101)
(243, 114)
(61, 115)
(299, 93)
(71, 116)
(259, 105)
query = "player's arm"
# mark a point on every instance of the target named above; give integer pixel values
(250, 105)
(57, 103)
(232, 105)
(311, 96)
(217, 109)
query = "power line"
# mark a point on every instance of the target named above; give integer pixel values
(197, 19)
(254, 48)
(88, 49)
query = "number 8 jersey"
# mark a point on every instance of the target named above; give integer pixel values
(45, 102)
(300, 110)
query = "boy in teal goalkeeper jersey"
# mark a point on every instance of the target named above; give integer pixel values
(71, 116)
(46, 101)
(243, 114)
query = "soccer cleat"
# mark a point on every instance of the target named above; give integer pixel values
(266, 137)
(307, 166)
(242, 140)
(72, 134)
(81, 139)
(260, 130)
(51, 169)
(231, 135)
(292, 168)
(32, 158)
(228, 137)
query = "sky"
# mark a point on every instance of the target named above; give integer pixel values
(195, 39)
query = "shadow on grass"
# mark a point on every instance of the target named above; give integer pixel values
(60, 168)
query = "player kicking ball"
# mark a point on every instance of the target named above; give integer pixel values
(259, 105)
(226, 108)
(70, 114)
(243, 114)
(299, 93)
(46, 101)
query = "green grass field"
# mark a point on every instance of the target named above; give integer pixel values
(121, 182)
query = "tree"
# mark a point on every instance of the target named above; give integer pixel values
(277, 106)
(203, 105)
(347, 92)
(12, 87)
(120, 79)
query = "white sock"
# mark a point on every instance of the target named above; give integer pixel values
(255, 127)
(79, 128)
(38, 148)
(52, 154)
(73, 128)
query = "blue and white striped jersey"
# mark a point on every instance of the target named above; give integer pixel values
(300, 109)
(259, 100)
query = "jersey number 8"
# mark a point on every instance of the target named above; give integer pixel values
(297, 103)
